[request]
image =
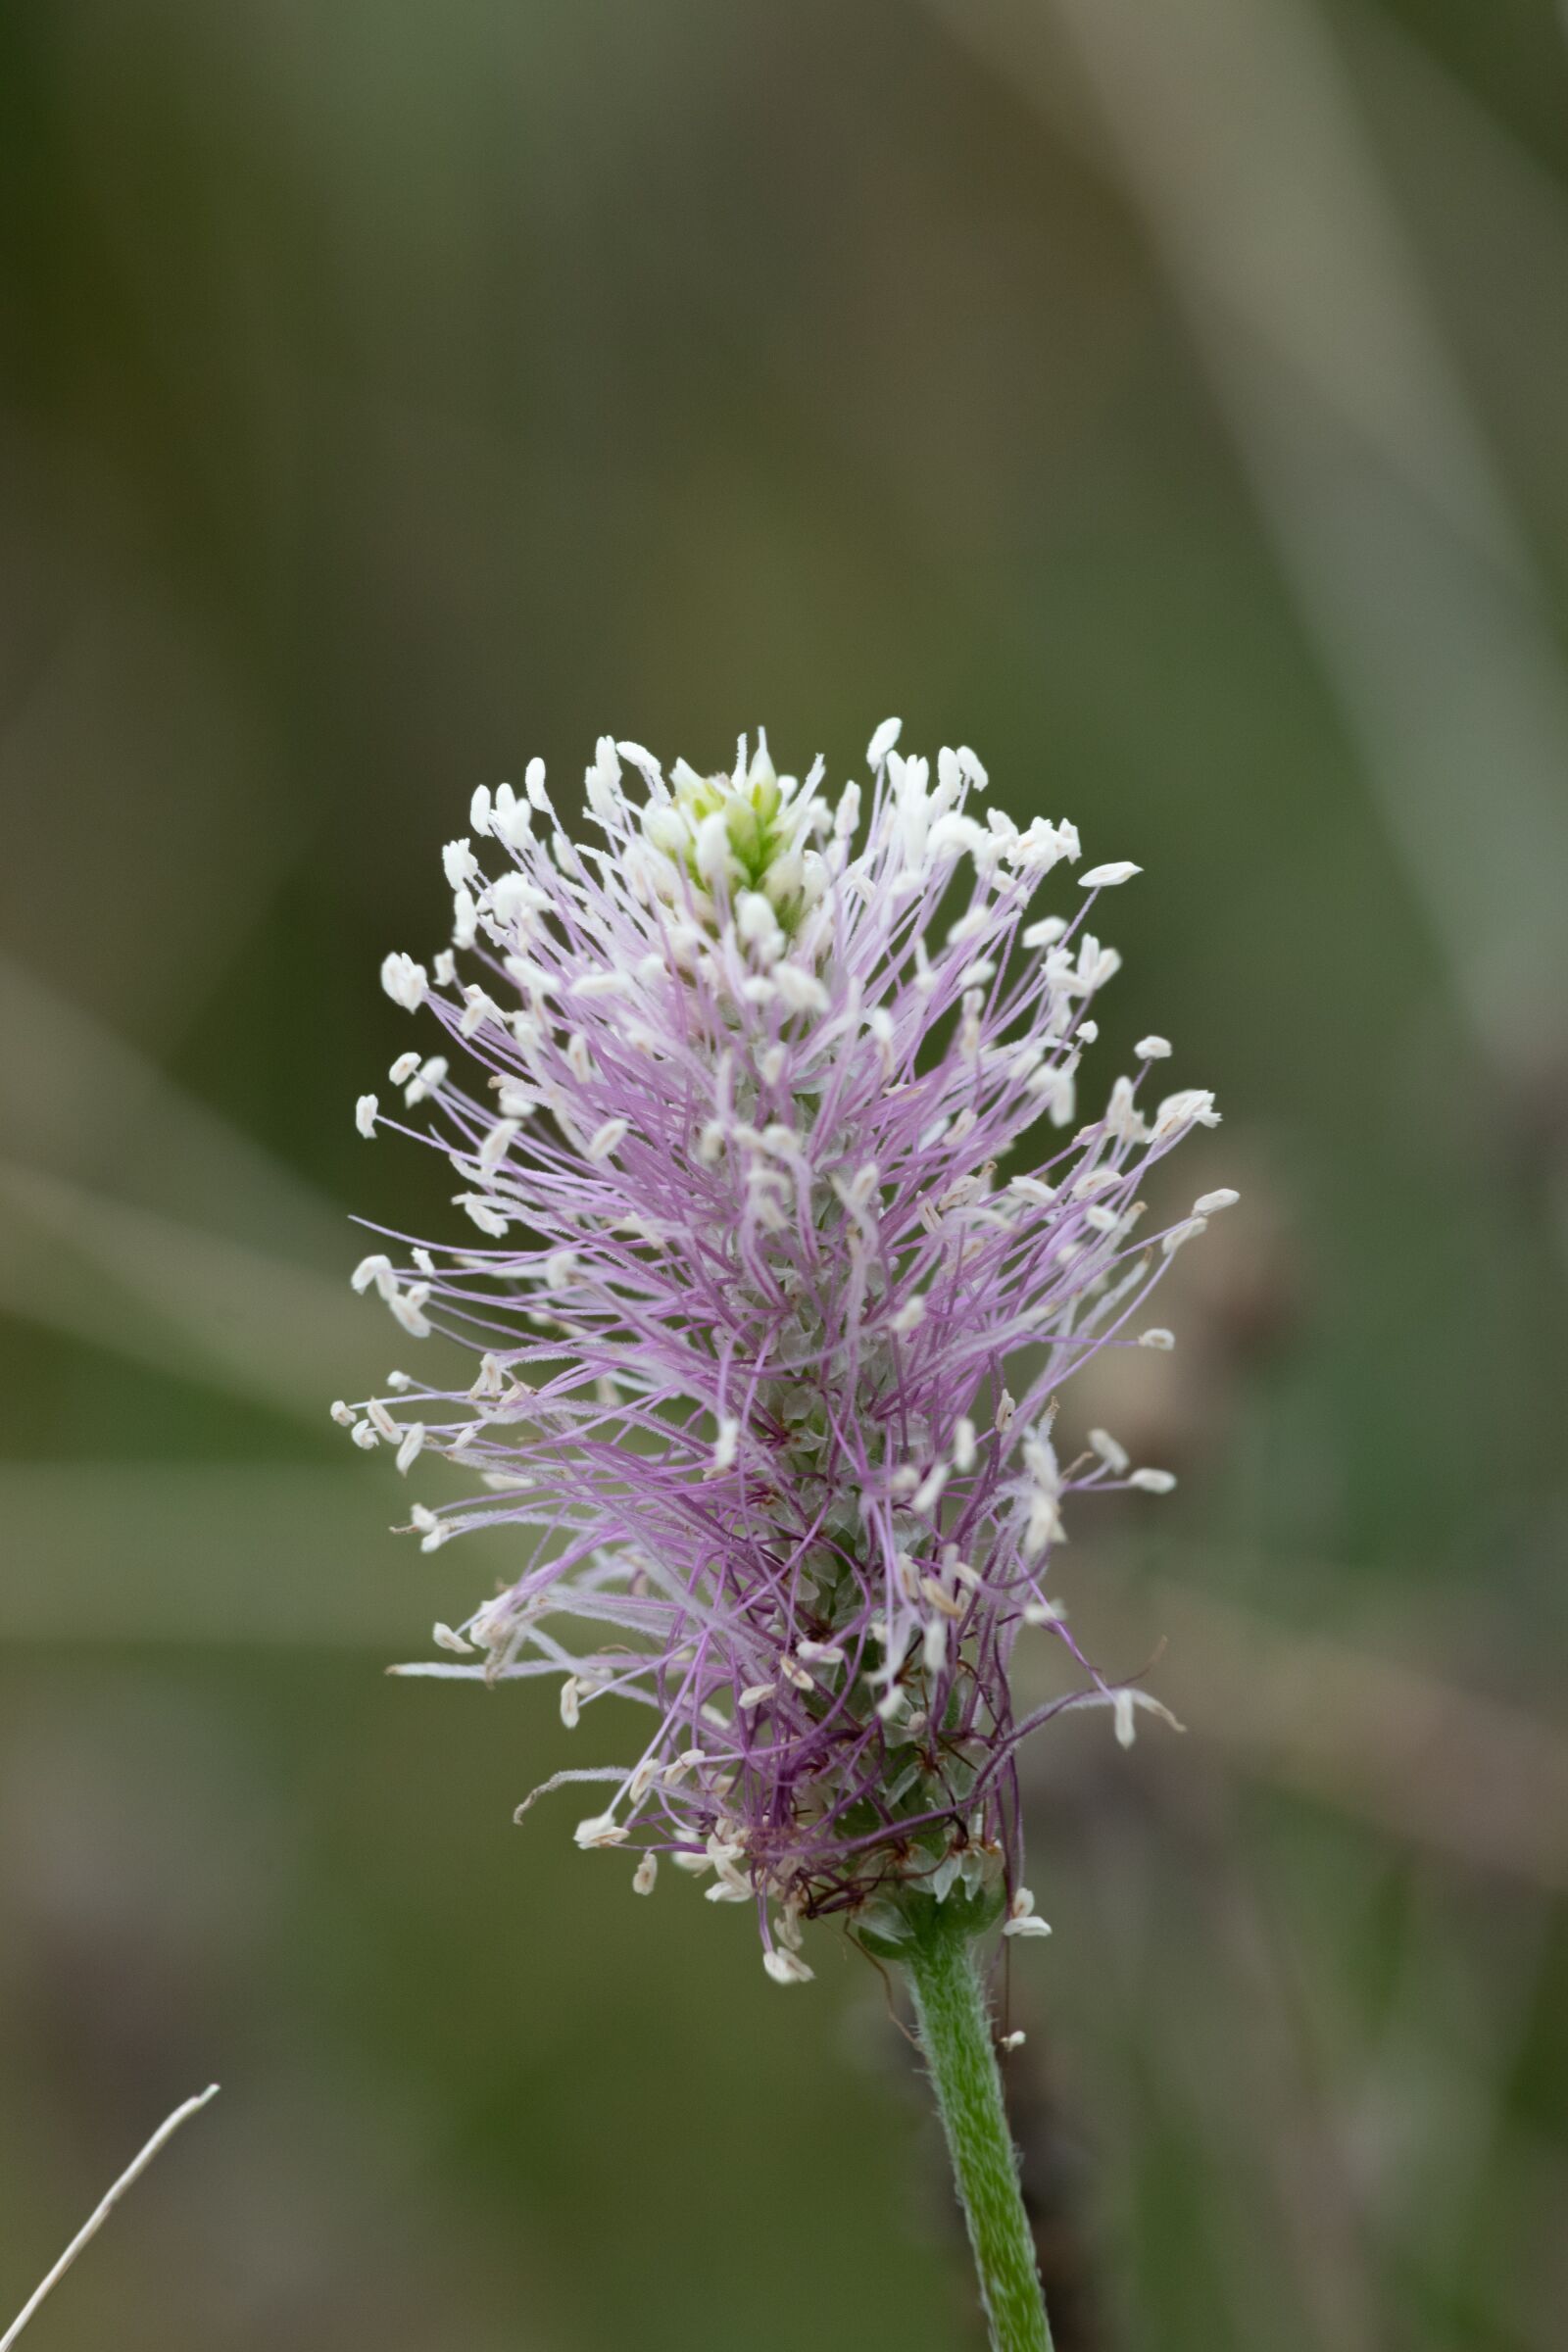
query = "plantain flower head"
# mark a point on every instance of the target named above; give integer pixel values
(767, 1303)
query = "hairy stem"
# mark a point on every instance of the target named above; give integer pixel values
(955, 2035)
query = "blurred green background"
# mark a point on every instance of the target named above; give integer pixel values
(1166, 396)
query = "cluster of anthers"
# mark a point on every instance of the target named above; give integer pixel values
(768, 1343)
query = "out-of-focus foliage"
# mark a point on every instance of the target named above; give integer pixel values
(1167, 399)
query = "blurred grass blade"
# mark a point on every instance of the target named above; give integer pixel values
(138, 2165)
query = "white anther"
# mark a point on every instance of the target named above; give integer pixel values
(405, 981)
(377, 1269)
(928, 1494)
(802, 991)
(787, 1968)
(1022, 1919)
(601, 1828)
(409, 1308)
(460, 863)
(483, 1214)
(883, 741)
(727, 1443)
(497, 1144)
(607, 1138)
(1196, 1106)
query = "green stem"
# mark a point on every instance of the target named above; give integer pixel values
(955, 2023)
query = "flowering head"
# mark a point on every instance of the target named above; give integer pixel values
(739, 840)
(768, 1336)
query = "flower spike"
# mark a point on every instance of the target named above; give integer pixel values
(769, 1337)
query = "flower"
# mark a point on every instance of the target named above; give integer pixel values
(768, 1343)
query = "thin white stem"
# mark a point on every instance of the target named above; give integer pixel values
(139, 2164)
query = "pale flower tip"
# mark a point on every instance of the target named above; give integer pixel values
(646, 1875)
(1126, 1718)
(1159, 1338)
(726, 1444)
(377, 1268)
(883, 741)
(445, 1638)
(1209, 1204)
(601, 1828)
(1153, 1482)
(1111, 1453)
(1013, 2040)
(607, 1138)
(1152, 1049)
(405, 981)
(787, 1968)
(1106, 877)
(364, 1110)
(1022, 1918)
